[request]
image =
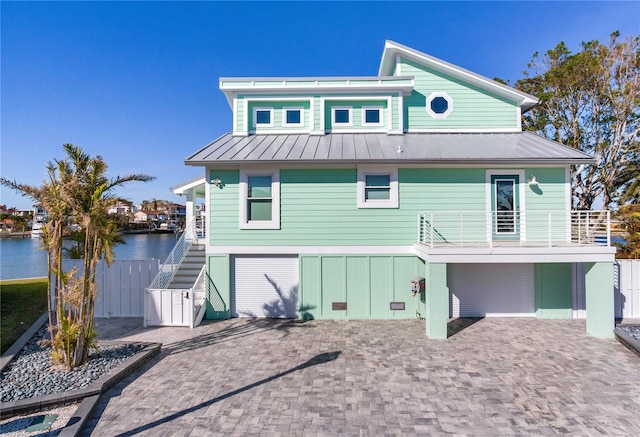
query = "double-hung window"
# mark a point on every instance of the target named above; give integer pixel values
(259, 200)
(377, 187)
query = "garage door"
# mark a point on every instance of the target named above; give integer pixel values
(265, 286)
(486, 290)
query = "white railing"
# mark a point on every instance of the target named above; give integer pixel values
(198, 295)
(173, 261)
(547, 228)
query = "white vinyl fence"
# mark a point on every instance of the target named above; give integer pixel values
(626, 284)
(121, 286)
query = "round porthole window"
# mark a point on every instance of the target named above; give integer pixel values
(439, 105)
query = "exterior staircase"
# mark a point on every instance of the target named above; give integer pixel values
(190, 268)
(177, 295)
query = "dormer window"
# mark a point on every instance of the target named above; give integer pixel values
(262, 117)
(342, 116)
(439, 105)
(292, 117)
(372, 116)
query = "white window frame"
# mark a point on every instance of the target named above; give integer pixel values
(274, 223)
(257, 125)
(339, 108)
(380, 110)
(445, 96)
(292, 108)
(392, 172)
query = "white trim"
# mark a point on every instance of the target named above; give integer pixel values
(380, 110)
(400, 101)
(234, 116)
(392, 172)
(269, 109)
(436, 115)
(521, 197)
(312, 114)
(245, 123)
(519, 118)
(323, 108)
(341, 108)
(567, 187)
(274, 223)
(464, 130)
(208, 211)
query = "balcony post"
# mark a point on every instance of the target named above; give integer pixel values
(431, 228)
(608, 228)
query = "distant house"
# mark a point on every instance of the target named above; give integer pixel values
(142, 216)
(122, 207)
(339, 197)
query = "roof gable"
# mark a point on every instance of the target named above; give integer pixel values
(393, 51)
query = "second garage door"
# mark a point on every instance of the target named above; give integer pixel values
(265, 286)
(486, 290)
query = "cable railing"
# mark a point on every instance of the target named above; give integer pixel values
(172, 263)
(542, 228)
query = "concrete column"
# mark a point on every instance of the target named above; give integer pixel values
(437, 300)
(600, 299)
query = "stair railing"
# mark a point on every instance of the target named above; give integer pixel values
(198, 294)
(170, 267)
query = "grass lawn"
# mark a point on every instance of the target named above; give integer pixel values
(22, 302)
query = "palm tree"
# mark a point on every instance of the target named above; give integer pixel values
(77, 189)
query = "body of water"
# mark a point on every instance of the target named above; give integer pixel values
(25, 258)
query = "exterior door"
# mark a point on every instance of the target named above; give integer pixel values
(505, 207)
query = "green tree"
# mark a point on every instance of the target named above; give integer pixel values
(78, 191)
(590, 100)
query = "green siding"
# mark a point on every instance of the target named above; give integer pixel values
(319, 207)
(278, 120)
(356, 122)
(368, 284)
(473, 108)
(218, 287)
(553, 291)
(239, 127)
(546, 204)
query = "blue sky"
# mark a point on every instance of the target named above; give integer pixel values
(137, 82)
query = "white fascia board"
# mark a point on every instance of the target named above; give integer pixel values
(193, 183)
(517, 254)
(394, 84)
(393, 49)
(310, 250)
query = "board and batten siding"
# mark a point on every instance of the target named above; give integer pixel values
(473, 108)
(319, 206)
(367, 284)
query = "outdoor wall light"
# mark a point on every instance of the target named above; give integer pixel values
(533, 182)
(216, 182)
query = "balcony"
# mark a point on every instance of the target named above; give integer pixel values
(507, 228)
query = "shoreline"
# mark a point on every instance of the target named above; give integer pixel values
(34, 278)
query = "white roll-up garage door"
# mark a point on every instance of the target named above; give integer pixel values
(491, 290)
(265, 286)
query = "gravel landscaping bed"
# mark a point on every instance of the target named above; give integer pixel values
(633, 331)
(32, 374)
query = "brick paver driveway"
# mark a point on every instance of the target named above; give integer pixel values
(288, 378)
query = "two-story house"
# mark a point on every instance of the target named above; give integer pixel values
(332, 196)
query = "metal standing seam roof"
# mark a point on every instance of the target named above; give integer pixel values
(373, 148)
